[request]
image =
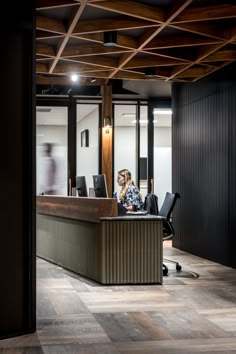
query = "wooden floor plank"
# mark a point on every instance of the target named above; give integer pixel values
(191, 312)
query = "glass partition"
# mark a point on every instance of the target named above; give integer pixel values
(162, 153)
(143, 159)
(51, 150)
(125, 138)
(130, 142)
(87, 141)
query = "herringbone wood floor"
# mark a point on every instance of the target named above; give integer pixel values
(192, 312)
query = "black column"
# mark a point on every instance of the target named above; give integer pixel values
(72, 140)
(150, 145)
(17, 177)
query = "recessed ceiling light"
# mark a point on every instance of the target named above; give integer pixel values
(74, 77)
(110, 39)
(150, 72)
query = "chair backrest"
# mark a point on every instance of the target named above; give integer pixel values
(168, 204)
(151, 204)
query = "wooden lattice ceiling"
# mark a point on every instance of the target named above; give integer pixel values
(179, 40)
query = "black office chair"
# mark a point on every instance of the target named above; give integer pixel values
(168, 229)
(151, 205)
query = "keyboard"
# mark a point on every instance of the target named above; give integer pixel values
(139, 212)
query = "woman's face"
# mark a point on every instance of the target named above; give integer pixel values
(121, 180)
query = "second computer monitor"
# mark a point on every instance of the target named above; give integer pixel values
(81, 186)
(100, 186)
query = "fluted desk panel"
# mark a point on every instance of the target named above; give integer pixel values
(107, 249)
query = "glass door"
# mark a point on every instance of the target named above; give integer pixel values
(162, 152)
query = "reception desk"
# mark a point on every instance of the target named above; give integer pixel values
(86, 236)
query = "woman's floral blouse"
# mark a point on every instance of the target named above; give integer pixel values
(132, 197)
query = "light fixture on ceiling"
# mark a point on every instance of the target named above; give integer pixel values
(93, 79)
(74, 77)
(162, 111)
(150, 72)
(110, 38)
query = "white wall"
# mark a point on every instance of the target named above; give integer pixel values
(162, 162)
(124, 152)
(87, 157)
(56, 134)
(143, 141)
(162, 137)
(162, 172)
(125, 157)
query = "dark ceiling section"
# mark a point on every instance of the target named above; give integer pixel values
(153, 40)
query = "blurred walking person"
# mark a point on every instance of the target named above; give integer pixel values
(48, 171)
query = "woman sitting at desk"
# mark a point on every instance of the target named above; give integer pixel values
(129, 195)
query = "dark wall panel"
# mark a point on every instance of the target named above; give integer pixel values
(17, 217)
(204, 165)
(232, 174)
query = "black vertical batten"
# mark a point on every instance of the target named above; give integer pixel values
(18, 154)
(113, 145)
(100, 122)
(203, 164)
(71, 140)
(138, 144)
(150, 132)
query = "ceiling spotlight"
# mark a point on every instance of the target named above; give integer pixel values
(93, 79)
(150, 72)
(74, 77)
(110, 38)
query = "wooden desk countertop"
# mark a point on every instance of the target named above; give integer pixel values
(78, 208)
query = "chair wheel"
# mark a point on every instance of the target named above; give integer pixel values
(165, 269)
(178, 267)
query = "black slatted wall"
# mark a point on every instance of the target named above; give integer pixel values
(204, 157)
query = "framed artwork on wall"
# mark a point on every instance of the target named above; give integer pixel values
(85, 138)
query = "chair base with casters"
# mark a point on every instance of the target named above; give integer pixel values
(151, 205)
(168, 229)
(164, 266)
(166, 269)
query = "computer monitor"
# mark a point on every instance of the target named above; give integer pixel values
(81, 186)
(100, 186)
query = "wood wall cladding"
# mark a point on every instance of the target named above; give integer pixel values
(107, 157)
(204, 173)
(107, 137)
